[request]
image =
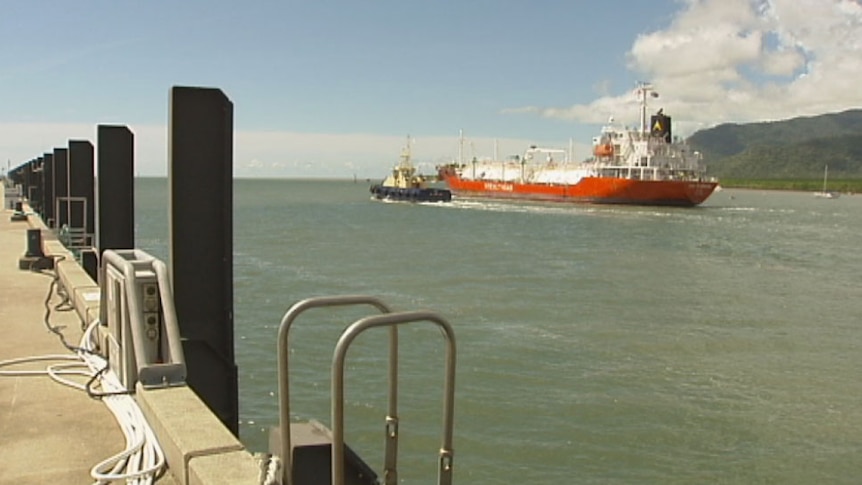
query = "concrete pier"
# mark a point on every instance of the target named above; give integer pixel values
(51, 433)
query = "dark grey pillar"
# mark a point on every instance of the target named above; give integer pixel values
(28, 179)
(115, 198)
(61, 185)
(90, 263)
(48, 189)
(34, 244)
(14, 175)
(81, 185)
(200, 178)
(34, 192)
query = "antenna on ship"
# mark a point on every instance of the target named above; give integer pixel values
(460, 147)
(644, 89)
(405, 155)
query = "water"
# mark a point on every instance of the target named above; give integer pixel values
(596, 344)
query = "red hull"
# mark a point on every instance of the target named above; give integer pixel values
(594, 190)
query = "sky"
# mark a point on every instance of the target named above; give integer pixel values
(333, 89)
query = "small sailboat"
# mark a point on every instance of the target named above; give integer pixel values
(825, 194)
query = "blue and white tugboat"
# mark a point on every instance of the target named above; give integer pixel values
(405, 185)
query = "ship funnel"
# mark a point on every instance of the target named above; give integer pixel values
(660, 126)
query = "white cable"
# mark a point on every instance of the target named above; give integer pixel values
(55, 371)
(143, 459)
(40, 358)
(271, 475)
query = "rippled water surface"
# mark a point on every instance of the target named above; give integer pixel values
(596, 344)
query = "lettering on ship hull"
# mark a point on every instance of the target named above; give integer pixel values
(499, 187)
(701, 188)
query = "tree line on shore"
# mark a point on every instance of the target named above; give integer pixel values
(789, 154)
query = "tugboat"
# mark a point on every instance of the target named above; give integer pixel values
(405, 185)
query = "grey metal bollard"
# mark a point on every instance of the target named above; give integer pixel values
(34, 244)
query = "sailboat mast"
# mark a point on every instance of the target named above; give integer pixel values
(825, 175)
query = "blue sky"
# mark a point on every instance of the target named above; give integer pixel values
(333, 88)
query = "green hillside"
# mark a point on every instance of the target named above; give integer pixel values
(798, 148)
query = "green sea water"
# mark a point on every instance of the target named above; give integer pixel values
(595, 344)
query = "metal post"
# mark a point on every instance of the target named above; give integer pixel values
(115, 199)
(48, 193)
(284, 375)
(34, 195)
(34, 244)
(28, 173)
(446, 454)
(81, 185)
(200, 179)
(61, 185)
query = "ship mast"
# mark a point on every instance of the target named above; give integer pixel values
(460, 147)
(644, 90)
(405, 155)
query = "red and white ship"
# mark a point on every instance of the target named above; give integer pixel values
(634, 167)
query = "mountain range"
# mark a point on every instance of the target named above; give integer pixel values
(796, 148)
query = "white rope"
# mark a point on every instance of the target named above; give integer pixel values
(142, 460)
(270, 470)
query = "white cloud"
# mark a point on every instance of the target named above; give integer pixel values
(273, 154)
(27, 141)
(782, 62)
(345, 155)
(743, 60)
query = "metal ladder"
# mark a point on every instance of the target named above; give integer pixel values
(385, 319)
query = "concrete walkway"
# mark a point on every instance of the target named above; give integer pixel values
(49, 433)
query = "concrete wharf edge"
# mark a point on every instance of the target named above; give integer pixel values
(50, 433)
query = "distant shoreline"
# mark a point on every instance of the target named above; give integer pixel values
(801, 185)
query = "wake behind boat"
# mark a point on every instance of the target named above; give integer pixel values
(404, 184)
(635, 167)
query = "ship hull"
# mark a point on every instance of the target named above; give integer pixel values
(404, 194)
(589, 190)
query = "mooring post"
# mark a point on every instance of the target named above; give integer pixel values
(18, 176)
(34, 194)
(48, 189)
(34, 244)
(115, 198)
(200, 179)
(34, 258)
(61, 186)
(81, 174)
(25, 179)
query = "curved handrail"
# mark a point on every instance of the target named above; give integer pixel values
(444, 476)
(283, 375)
